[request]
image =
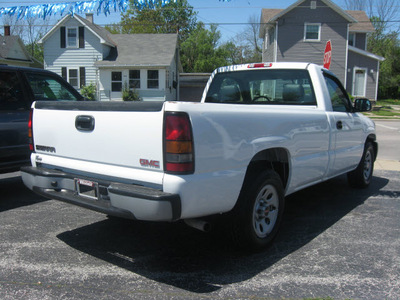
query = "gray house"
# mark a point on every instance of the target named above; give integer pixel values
(84, 53)
(300, 33)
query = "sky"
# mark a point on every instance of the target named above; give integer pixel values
(231, 16)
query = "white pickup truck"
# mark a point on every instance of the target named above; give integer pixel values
(261, 132)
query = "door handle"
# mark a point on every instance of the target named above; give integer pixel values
(84, 123)
(339, 125)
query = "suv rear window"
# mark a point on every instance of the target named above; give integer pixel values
(266, 86)
(46, 87)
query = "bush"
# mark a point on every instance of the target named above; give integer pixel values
(130, 94)
(89, 91)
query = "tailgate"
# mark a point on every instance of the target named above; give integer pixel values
(112, 134)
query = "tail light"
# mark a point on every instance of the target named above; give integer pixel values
(178, 144)
(30, 131)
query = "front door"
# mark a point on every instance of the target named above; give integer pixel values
(359, 82)
(346, 144)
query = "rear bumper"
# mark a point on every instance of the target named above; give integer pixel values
(113, 198)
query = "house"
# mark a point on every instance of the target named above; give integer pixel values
(13, 51)
(301, 32)
(84, 53)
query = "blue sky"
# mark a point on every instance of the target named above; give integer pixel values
(209, 11)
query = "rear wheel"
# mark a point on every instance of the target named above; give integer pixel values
(361, 177)
(259, 211)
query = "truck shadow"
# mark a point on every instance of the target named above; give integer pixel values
(188, 259)
(15, 194)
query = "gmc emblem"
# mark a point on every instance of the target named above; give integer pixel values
(149, 163)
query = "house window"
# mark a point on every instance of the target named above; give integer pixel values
(312, 31)
(352, 39)
(152, 79)
(72, 37)
(73, 78)
(116, 81)
(134, 79)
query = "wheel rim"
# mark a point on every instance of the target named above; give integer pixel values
(367, 165)
(265, 211)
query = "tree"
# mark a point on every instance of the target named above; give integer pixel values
(200, 51)
(246, 46)
(174, 17)
(385, 11)
(30, 30)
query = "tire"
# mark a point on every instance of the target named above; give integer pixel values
(361, 177)
(258, 213)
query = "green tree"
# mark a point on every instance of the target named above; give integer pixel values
(174, 17)
(200, 51)
(386, 45)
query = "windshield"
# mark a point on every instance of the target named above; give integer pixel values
(266, 86)
(46, 87)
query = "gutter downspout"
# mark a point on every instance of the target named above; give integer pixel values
(276, 42)
(347, 58)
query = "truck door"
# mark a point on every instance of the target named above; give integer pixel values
(347, 142)
(14, 115)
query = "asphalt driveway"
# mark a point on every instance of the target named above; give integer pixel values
(335, 242)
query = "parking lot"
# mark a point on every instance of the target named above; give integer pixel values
(335, 242)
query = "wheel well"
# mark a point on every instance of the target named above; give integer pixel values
(372, 138)
(276, 159)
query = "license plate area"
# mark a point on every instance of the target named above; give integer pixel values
(87, 189)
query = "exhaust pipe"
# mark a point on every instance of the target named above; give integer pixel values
(198, 224)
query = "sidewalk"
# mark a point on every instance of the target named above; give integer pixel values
(389, 165)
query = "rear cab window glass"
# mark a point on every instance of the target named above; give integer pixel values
(280, 87)
(46, 87)
(11, 94)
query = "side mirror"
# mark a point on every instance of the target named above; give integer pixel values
(362, 104)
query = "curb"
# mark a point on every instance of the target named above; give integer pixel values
(388, 165)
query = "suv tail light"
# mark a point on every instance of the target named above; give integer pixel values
(178, 144)
(30, 131)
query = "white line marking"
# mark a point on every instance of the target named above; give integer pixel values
(388, 127)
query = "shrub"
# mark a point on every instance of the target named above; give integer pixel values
(89, 91)
(129, 94)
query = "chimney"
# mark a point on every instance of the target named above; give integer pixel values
(89, 17)
(7, 30)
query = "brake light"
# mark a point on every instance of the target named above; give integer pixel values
(178, 144)
(259, 65)
(30, 131)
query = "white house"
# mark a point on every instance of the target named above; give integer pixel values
(84, 53)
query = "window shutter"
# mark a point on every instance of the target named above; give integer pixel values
(62, 37)
(82, 76)
(81, 37)
(64, 73)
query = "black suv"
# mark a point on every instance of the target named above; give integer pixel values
(19, 87)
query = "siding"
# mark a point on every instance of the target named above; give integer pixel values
(162, 93)
(292, 47)
(360, 61)
(269, 50)
(57, 57)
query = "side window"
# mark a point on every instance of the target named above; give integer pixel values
(11, 95)
(45, 87)
(339, 99)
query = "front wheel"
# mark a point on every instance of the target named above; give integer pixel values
(361, 177)
(259, 211)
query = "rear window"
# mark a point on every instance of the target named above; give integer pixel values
(46, 87)
(266, 86)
